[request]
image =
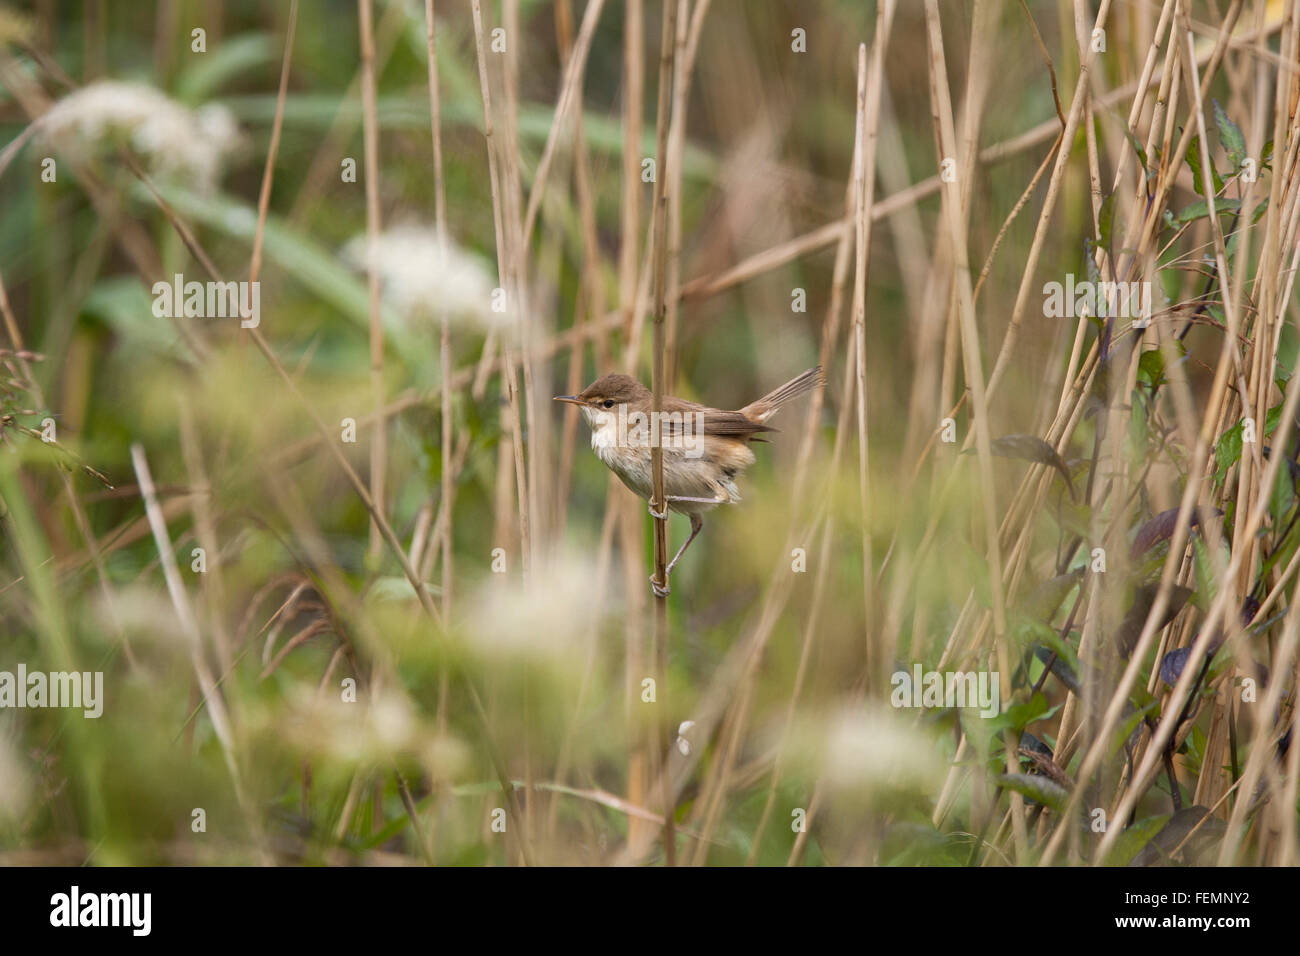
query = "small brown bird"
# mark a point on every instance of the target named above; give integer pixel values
(704, 449)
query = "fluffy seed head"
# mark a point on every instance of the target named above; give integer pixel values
(175, 142)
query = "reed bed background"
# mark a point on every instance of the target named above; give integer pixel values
(361, 594)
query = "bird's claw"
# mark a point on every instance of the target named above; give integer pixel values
(657, 514)
(662, 592)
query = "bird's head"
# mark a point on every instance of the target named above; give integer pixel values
(604, 395)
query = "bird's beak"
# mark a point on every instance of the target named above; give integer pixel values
(571, 399)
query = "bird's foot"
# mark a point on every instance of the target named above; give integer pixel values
(657, 514)
(662, 592)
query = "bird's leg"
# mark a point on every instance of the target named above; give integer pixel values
(697, 523)
(720, 498)
(716, 500)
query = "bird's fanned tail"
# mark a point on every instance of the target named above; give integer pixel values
(770, 404)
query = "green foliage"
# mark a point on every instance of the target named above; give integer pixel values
(1036, 788)
(1197, 163)
(1227, 451)
(1230, 137)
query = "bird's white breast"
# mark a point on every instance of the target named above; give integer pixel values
(691, 476)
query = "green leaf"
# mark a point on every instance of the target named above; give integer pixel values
(233, 57)
(1134, 838)
(1045, 600)
(920, 844)
(1133, 716)
(1280, 556)
(1106, 221)
(294, 251)
(1037, 788)
(1151, 368)
(1201, 208)
(1204, 566)
(1028, 632)
(1090, 265)
(1227, 452)
(395, 588)
(1230, 138)
(1284, 496)
(1195, 162)
(1032, 448)
(124, 305)
(319, 111)
(1137, 146)
(1020, 715)
(1179, 831)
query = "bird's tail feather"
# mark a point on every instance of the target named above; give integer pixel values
(769, 404)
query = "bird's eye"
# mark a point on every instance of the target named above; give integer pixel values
(608, 403)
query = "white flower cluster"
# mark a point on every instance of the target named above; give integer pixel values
(176, 143)
(422, 281)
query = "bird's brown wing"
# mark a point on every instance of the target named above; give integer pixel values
(716, 421)
(733, 423)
